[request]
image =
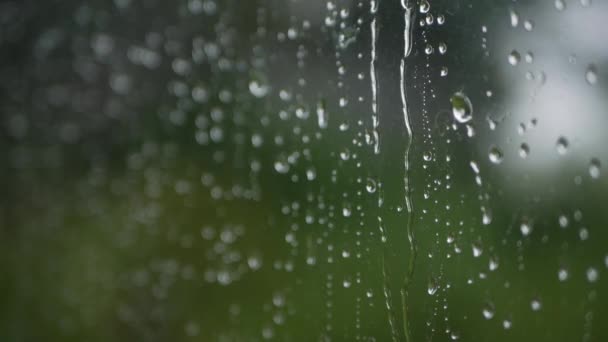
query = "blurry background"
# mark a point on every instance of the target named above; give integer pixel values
(225, 170)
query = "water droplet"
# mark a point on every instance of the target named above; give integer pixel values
(495, 155)
(562, 274)
(595, 168)
(281, 166)
(529, 57)
(591, 74)
(258, 89)
(442, 48)
(345, 155)
(514, 18)
(525, 228)
(443, 72)
(432, 286)
(535, 304)
(514, 58)
(346, 211)
(424, 6)
(427, 156)
(462, 108)
(592, 275)
(477, 251)
(528, 25)
(562, 145)
(563, 221)
(506, 324)
(488, 311)
(321, 115)
(371, 186)
(524, 150)
(560, 5)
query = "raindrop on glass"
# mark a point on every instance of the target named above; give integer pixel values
(495, 155)
(462, 108)
(514, 58)
(562, 145)
(595, 168)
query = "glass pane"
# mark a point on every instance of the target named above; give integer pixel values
(297, 170)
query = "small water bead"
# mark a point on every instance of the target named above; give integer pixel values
(371, 186)
(428, 49)
(486, 217)
(257, 89)
(529, 57)
(591, 74)
(583, 234)
(477, 251)
(535, 305)
(525, 228)
(595, 168)
(427, 156)
(524, 150)
(528, 25)
(442, 48)
(560, 5)
(311, 174)
(281, 166)
(432, 286)
(562, 145)
(346, 211)
(493, 264)
(585, 3)
(514, 58)
(488, 311)
(443, 72)
(429, 19)
(506, 324)
(563, 221)
(424, 6)
(495, 155)
(345, 155)
(440, 19)
(592, 275)
(514, 17)
(462, 108)
(346, 283)
(562, 274)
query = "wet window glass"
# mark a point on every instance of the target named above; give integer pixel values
(303, 170)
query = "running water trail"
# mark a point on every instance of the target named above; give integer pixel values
(408, 7)
(374, 28)
(373, 77)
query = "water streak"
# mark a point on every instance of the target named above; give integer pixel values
(373, 77)
(407, 48)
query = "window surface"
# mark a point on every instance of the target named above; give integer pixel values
(303, 170)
